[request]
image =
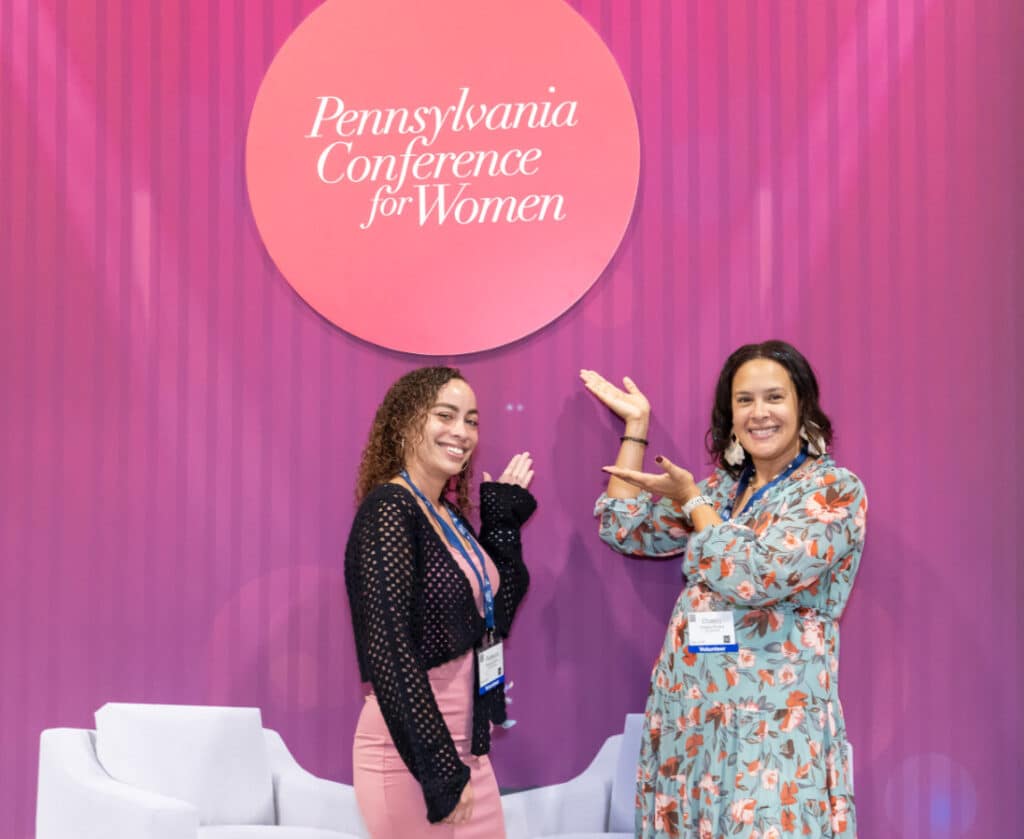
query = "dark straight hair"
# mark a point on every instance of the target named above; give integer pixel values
(811, 418)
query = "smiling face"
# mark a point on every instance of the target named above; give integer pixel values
(440, 448)
(766, 414)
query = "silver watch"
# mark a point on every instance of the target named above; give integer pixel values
(693, 504)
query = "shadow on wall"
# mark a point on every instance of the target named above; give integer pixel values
(591, 627)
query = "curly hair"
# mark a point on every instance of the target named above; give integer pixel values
(398, 422)
(812, 417)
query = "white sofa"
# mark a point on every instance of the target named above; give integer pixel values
(184, 772)
(198, 772)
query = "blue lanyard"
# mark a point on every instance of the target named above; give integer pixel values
(748, 473)
(455, 542)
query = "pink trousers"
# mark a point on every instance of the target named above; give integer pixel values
(391, 800)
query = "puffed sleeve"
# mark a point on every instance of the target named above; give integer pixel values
(380, 565)
(642, 527)
(504, 509)
(821, 527)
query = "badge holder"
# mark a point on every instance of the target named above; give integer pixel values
(490, 659)
(711, 632)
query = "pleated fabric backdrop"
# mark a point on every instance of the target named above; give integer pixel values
(179, 431)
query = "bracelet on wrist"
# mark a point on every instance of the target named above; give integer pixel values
(626, 437)
(693, 504)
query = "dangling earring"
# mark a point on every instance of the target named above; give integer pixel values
(816, 444)
(735, 454)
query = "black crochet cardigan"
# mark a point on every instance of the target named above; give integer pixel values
(413, 609)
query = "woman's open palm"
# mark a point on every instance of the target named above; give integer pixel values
(627, 404)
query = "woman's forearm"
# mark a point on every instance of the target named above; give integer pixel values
(631, 456)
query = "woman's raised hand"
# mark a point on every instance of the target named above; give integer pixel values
(675, 482)
(519, 471)
(632, 407)
(629, 404)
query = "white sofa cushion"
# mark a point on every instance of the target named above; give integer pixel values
(250, 832)
(629, 835)
(213, 758)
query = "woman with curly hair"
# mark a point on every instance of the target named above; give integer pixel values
(431, 601)
(744, 732)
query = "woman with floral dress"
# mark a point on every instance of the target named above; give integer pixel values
(743, 733)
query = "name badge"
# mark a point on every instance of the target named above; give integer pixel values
(711, 632)
(490, 666)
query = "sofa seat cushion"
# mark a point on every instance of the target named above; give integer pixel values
(581, 835)
(212, 758)
(261, 832)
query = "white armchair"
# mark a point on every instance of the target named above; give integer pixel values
(596, 804)
(184, 772)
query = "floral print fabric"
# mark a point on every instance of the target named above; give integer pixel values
(750, 744)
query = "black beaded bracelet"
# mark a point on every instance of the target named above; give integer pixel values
(639, 440)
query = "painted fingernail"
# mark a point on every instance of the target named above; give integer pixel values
(658, 459)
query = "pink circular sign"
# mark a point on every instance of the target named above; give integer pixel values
(446, 177)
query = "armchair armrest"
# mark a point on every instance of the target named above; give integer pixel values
(579, 805)
(78, 800)
(304, 800)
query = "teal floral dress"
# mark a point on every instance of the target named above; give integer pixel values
(752, 743)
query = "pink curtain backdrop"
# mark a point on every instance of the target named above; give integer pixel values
(179, 431)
